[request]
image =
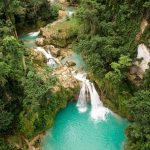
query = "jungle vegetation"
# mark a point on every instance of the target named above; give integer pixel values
(107, 42)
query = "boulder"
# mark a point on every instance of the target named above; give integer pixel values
(70, 63)
(65, 77)
(40, 41)
(61, 57)
(54, 51)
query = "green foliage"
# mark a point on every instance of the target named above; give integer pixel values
(107, 44)
(147, 79)
(120, 70)
(54, 10)
(5, 121)
(37, 93)
(139, 107)
(4, 146)
(139, 132)
(146, 36)
(73, 1)
(23, 13)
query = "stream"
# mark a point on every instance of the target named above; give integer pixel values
(76, 130)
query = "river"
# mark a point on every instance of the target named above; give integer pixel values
(73, 130)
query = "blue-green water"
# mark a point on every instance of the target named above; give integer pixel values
(28, 40)
(77, 131)
(75, 57)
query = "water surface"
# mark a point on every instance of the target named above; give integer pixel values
(77, 131)
(28, 40)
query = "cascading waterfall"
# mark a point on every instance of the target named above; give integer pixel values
(34, 33)
(51, 61)
(98, 111)
(70, 13)
(82, 100)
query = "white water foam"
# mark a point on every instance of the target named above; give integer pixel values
(33, 34)
(51, 61)
(98, 111)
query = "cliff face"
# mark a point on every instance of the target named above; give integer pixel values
(143, 54)
(141, 64)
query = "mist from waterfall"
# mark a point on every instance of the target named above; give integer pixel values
(98, 111)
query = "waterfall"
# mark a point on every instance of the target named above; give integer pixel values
(34, 33)
(82, 100)
(98, 111)
(70, 13)
(51, 61)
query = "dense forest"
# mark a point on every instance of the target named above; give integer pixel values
(27, 101)
(107, 41)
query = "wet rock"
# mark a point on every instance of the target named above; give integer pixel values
(70, 63)
(54, 51)
(65, 77)
(136, 72)
(40, 41)
(61, 57)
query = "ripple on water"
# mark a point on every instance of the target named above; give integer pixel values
(77, 131)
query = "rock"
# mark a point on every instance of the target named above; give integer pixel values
(143, 54)
(54, 51)
(37, 57)
(65, 77)
(40, 41)
(70, 63)
(144, 24)
(62, 1)
(136, 73)
(61, 57)
(62, 14)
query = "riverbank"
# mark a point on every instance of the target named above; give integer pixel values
(65, 89)
(60, 33)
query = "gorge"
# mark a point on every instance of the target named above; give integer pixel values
(101, 118)
(74, 75)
